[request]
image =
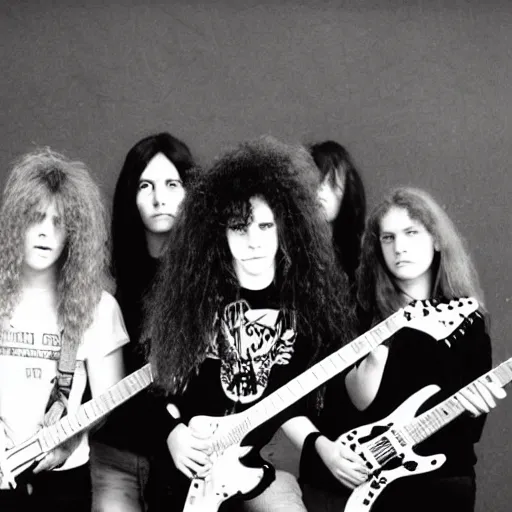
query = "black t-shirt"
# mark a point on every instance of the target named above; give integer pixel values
(258, 349)
(415, 360)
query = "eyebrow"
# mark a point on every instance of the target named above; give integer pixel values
(153, 181)
(411, 226)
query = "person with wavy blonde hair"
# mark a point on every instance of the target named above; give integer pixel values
(53, 275)
(451, 273)
(411, 251)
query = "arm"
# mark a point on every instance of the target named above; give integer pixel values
(103, 373)
(345, 465)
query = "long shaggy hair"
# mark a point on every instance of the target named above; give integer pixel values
(130, 257)
(37, 179)
(197, 279)
(335, 162)
(454, 273)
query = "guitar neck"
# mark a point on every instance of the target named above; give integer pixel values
(429, 422)
(313, 377)
(95, 409)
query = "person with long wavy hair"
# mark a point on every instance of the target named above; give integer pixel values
(343, 200)
(412, 251)
(53, 275)
(150, 188)
(248, 295)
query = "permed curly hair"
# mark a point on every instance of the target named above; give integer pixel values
(36, 179)
(196, 278)
(454, 272)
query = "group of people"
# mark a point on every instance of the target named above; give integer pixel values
(231, 281)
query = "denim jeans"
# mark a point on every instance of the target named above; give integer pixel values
(119, 479)
(283, 495)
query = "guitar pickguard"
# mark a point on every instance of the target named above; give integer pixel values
(387, 453)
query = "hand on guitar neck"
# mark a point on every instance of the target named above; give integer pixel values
(481, 398)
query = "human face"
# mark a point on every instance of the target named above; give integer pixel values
(408, 248)
(159, 195)
(330, 194)
(44, 240)
(254, 246)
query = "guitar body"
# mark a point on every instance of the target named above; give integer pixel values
(402, 460)
(236, 470)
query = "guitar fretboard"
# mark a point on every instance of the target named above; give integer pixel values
(312, 378)
(95, 409)
(429, 422)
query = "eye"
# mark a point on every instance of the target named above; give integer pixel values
(145, 185)
(238, 228)
(412, 232)
(386, 239)
(175, 184)
(266, 225)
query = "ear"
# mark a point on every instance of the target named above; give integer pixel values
(436, 246)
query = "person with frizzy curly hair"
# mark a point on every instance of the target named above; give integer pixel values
(248, 295)
(53, 277)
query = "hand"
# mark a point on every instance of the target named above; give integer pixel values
(189, 451)
(481, 398)
(346, 466)
(56, 457)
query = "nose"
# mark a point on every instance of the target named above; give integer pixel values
(45, 227)
(160, 195)
(254, 236)
(400, 244)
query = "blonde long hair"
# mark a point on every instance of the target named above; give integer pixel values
(36, 179)
(454, 273)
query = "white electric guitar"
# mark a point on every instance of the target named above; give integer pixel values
(387, 445)
(228, 476)
(17, 459)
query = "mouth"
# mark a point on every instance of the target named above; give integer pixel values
(42, 247)
(254, 258)
(402, 263)
(159, 215)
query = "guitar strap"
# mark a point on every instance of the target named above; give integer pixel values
(58, 401)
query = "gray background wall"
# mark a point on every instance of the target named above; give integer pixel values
(419, 91)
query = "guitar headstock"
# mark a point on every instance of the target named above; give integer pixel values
(438, 319)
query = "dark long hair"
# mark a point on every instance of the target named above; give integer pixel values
(131, 263)
(333, 159)
(196, 278)
(454, 273)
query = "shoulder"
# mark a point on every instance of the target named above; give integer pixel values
(107, 331)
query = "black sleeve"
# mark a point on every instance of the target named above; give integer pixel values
(474, 354)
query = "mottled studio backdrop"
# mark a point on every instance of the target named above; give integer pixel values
(419, 91)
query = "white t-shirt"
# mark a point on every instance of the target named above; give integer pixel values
(29, 355)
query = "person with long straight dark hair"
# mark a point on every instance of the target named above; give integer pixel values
(149, 191)
(343, 201)
(411, 251)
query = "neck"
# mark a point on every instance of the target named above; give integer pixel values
(44, 280)
(259, 282)
(155, 243)
(418, 289)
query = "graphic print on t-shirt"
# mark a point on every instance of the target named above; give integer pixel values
(30, 344)
(250, 343)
